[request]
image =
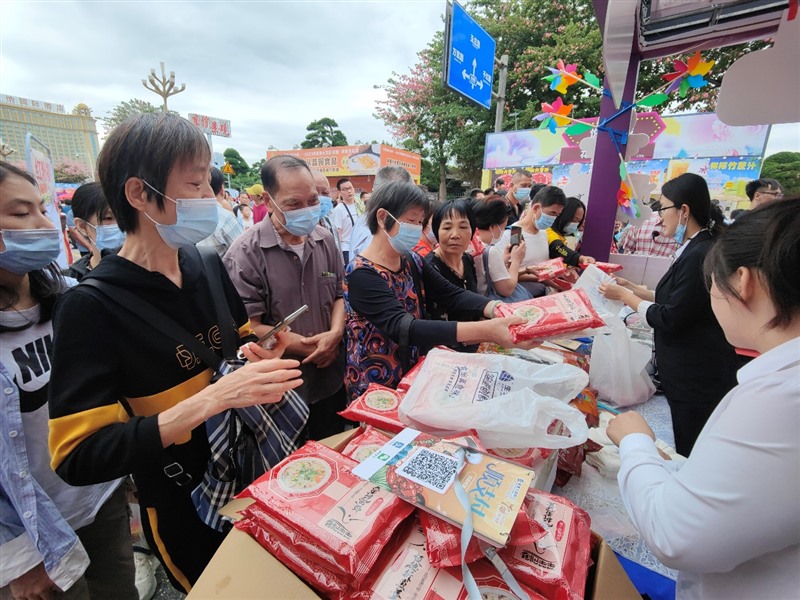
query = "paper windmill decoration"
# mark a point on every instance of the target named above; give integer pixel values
(689, 74)
(554, 115)
(562, 77)
(626, 201)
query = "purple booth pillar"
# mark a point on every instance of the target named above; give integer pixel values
(605, 180)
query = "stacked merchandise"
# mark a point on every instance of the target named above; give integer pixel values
(349, 538)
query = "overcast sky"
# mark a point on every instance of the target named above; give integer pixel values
(269, 67)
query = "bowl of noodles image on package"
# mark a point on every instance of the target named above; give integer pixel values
(304, 475)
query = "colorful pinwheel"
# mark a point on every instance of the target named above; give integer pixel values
(626, 201)
(554, 115)
(562, 77)
(689, 74)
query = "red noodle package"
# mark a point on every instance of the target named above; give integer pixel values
(377, 407)
(369, 441)
(551, 316)
(607, 267)
(443, 542)
(409, 377)
(550, 269)
(406, 573)
(555, 565)
(318, 576)
(314, 493)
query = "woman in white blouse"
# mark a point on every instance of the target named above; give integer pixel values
(728, 517)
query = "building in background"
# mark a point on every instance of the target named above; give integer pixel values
(70, 137)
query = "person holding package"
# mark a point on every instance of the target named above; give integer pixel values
(567, 223)
(56, 540)
(727, 517)
(135, 400)
(385, 291)
(696, 365)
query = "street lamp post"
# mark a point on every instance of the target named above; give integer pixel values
(88, 162)
(515, 114)
(163, 86)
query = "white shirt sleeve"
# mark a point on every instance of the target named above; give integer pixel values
(643, 306)
(497, 268)
(20, 556)
(734, 499)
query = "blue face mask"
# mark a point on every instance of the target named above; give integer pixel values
(300, 221)
(680, 233)
(522, 194)
(29, 249)
(196, 219)
(325, 206)
(108, 236)
(545, 221)
(406, 238)
(571, 229)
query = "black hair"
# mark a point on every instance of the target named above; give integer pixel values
(535, 189)
(276, 164)
(339, 183)
(519, 173)
(488, 192)
(473, 193)
(89, 201)
(459, 208)
(692, 190)
(217, 180)
(766, 240)
(759, 184)
(550, 195)
(571, 207)
(736, 213)
(47, 284)
(147, 146)
(395, 197)
(492, 211)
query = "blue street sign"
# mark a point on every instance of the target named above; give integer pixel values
(469, 60)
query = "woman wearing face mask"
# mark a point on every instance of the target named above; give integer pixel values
(95, 227)
(387, 330)
(727, 518)
(567, 223)
(695, 363)
(134, 400)
(539, 214)
(495, 280)
(50, 530)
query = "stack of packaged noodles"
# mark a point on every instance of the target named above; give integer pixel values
(320, 520)
(552, 316)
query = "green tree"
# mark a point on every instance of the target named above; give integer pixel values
(323, 133)
(237, 163)
(126, 109)
(785, 168)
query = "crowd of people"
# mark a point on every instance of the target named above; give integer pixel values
(104, 379)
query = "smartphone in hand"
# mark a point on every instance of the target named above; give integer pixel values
(516, 235)
(264, 339)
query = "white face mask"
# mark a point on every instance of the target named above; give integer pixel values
(498, 238)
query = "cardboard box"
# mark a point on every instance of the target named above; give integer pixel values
(241, 569)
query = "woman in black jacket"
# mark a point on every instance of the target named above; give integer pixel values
(696, 364)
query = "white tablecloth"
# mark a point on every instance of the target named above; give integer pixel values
(600, 497)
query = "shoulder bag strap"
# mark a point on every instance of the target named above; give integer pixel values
(490, 291)
(148, 313)
(210, 261)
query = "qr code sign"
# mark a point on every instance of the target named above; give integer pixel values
(434, 470)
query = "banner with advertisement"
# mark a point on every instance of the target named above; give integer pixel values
(348, 161)
(41, 167)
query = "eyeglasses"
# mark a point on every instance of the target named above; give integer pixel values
(778, 195)
(663, 208)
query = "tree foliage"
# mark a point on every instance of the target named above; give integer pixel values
(323, 133)
(126, 109)
(71, 171)
(785, 168)
(237, 163)
(535, 34)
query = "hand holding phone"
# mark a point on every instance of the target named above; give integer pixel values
(516, 235)
(278, 328)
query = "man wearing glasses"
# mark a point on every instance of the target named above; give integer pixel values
(761, 191)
